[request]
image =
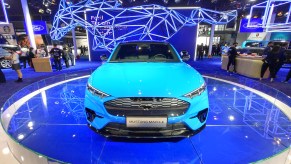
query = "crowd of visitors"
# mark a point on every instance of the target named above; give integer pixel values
(24, 59)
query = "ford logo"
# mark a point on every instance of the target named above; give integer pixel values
(254, 25)
(37, 27)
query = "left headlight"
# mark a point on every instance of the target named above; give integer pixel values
(96, 92)
(197, 91)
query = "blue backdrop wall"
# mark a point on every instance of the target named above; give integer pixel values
(184, 39)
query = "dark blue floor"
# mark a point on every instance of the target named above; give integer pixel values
(242, 127)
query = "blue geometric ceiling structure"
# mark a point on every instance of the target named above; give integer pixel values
(270, 19)
(113, 24)
(3, 10)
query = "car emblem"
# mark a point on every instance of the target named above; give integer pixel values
(146, 106)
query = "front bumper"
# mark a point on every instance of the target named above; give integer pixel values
(193, 121)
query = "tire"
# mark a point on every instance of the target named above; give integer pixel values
(5, 63)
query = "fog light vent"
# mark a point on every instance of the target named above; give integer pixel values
(91, 115)
(202, 115)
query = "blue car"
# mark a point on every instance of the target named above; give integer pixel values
(146, 90)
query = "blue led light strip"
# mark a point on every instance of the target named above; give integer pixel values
(5, 13)
(144, 22)
(269, 20)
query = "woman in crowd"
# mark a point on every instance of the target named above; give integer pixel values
(14, 57)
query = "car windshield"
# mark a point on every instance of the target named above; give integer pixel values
(144, 52)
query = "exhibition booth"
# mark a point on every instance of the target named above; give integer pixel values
(146, 86)
(45, 122)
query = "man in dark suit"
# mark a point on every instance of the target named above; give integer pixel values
(200, 51)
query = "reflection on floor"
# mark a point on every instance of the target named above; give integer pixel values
(242, 127)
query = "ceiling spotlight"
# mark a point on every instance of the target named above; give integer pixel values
(7, 6)
(166, 1)
(46, 4)
(69, 2)
(41, 11)
(279, 14)
(286, 14)
(177, 1)
(49, 11)
(253, 0)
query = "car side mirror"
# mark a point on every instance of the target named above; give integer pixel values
(185, 55)
(104, 58)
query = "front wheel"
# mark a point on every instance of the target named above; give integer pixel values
(5, 63)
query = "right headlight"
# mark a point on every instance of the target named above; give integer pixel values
(96, 92)
(196, 92)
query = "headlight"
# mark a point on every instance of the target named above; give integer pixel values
(196, 92)
(96, 92)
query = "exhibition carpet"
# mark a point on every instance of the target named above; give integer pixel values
(209, 67)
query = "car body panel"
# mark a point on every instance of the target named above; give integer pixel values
(146, 79)
(170, 80)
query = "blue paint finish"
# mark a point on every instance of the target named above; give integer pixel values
(146, 79)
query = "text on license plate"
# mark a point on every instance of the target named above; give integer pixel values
(146, 122)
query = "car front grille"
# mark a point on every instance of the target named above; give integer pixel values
(171, 107)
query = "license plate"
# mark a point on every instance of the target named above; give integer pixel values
(146, 122)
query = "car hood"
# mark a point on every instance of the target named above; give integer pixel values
(144, 79)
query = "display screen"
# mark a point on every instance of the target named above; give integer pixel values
(244, 25)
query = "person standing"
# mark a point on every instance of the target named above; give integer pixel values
(232, 53)
(14, 57)
(273, 61)
(66, 56)
(206, 49)
(24, 57)
(72, 57)
(214, 50)
(56, 53)
(82, 50)
(2, 76)
(30, 56)
(200, 50)
(225, 49)
(266, 54)
(282, 57)
(218, 50)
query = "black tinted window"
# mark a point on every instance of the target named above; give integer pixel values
(144, 52)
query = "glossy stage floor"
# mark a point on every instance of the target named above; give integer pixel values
(244, 125)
